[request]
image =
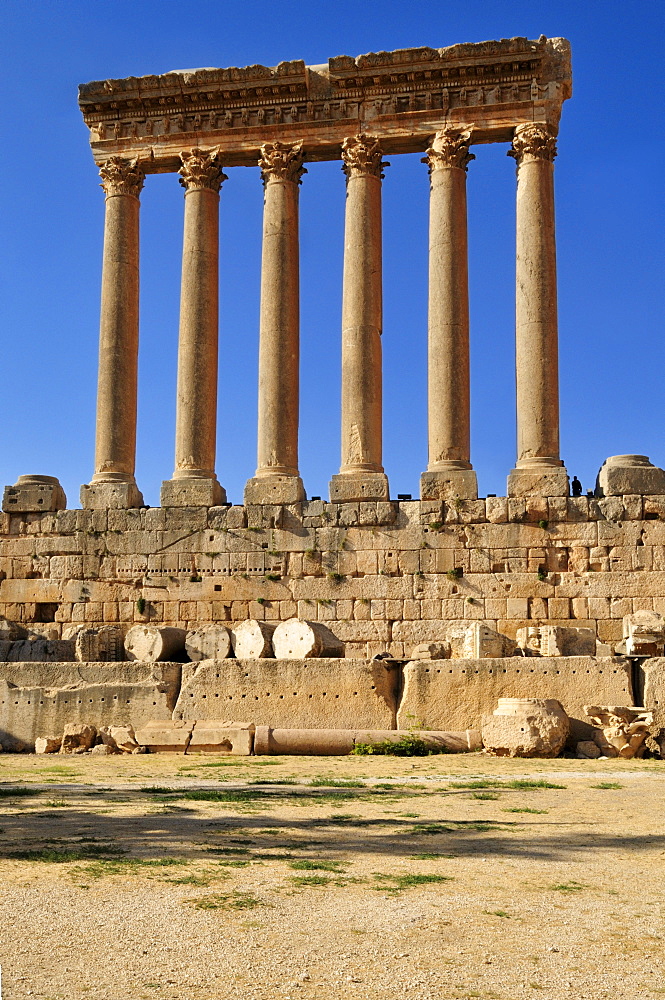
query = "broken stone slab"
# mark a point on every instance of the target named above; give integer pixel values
(11, 631)
(102, 750)
(643, 634)
(78, 736)
(210, 642)
(165, 736)
(292, 694)
(629, 475)
(477, 641)
(526, 727)
(431, 651)
(252, 639)
(151, 643)
(296, 639)
(588, 750)
(622, 729)
(210, 736)
(33, 494)
(99, 645)
(303, 742)
(48, 744)
(553, 640)
(119, 738)
(38, 650)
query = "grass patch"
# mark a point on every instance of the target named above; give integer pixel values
(608, 785)
(303, 864)
(485, 796)
(497, 913)
(454, 826)
(57, 804)
(54, 855)
(397, 883)
(518, 784)
(227, 901)
(525, 809)
(18, 791)
(273, 781)
(408, 746)
(336, 783)
(568, 887)
(124, 866)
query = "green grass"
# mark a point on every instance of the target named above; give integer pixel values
(18, 791)
(336, 783)
(517, 784)
(227, 901)
(497, 913)
(307, 881)
(55, 855)
(304, 864)
(397, 883)
(273, 781)
(525, 809)
(408, 746)
(608, 785)
(485, 796)
(568, 887)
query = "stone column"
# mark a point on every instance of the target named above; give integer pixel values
(449, 472)
(538, 471)
(194, 482)
(113, 483)
(361, 475)
(277, 479)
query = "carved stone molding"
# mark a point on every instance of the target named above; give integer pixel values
(362, 156)
(121, 176)
(201, 169)
(282, 161)
(450, 148)
(533, 141)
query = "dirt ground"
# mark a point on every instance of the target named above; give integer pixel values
(374, 878)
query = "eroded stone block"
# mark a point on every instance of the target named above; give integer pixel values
(623, 475)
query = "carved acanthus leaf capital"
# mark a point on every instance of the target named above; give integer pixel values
(282, 161)
(121, 176)
(450, 148)
(535, 141)
(201, 168)
(362, 155)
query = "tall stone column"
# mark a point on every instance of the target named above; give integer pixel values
(277, 479)
(361, 475)
(538, 471)
(449, 472)
(194, 482)
(113, 483)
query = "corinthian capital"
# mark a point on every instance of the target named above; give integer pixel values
(281, 161)
(362, 155)
(121, 176)
(533, 141)
(201, 168)
(450, 148)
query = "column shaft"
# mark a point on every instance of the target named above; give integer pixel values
(277, 478)
(113, 483)
(449, 471)
(361, 475)
(194, 481)
(539, 469)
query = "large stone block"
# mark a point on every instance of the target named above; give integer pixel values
(455, 695)
(362, 486)
(40, 699)
(31, 494)
(454, 484)
(623, 475)
(538, 481)
(274, 490)
(289, 694)
(192, 493)
(110, 496)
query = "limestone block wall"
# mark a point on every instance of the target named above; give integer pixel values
(383, 576)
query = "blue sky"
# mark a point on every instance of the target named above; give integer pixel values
(609, 191)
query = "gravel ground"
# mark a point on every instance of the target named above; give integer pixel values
(206, 878)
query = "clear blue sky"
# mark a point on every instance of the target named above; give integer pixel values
(609, 188)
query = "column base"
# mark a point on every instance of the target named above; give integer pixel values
(192, 493)
(32, 494)
(348, 486)
(628, 474)
(111, 496)
(274, 489)
(538, 481)
(449, 484)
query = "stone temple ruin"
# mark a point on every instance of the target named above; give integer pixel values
(292, 625)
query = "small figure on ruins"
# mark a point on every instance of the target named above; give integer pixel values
(576, 487)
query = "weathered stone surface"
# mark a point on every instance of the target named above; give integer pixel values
(643, 634)
(477, 641)
(211, 736)
(545, 482)
(11, 631)
(210, 642)
(98, 645)
(448, 695)
(192, 493)
(622, 729)
(252, 639)
(48, 744)
(431, 651)
(121, 738)
(102, 750)
(526, 727)
(552, 640)
(159, 736)
(38, 650)
(588, 750)
(300, 640)
(654, 695)
(33, 494)
(77, 736)
(625, 475)
(293, 693)
(326, 742)
(151, 643)
(38, 698)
